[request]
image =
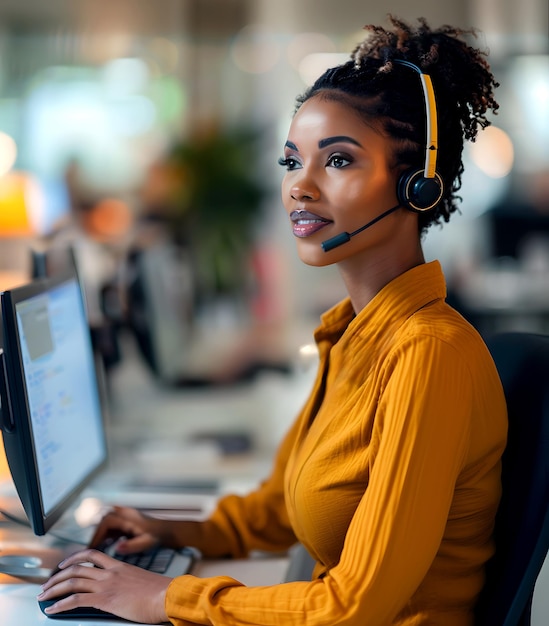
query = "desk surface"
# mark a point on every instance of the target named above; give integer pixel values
(19, 607)
(150, 436)
(18, 604)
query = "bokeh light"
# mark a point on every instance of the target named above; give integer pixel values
(8, 153)
(305, 44)
(255, 49)
(493, 152)
(313, 65)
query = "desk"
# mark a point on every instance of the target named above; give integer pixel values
(19, 607)
(499, 298)
(151, 431)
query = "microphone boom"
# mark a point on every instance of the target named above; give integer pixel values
(344, 237)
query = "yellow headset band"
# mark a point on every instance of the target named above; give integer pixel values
(431, 139)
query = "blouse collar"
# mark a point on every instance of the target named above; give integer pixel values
(398, 300)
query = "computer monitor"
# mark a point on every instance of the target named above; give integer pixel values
(159, 294)
(52, 419)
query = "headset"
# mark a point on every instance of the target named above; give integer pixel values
(418, 190)
(422, 189)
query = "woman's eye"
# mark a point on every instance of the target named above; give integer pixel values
(289, 163)
(338, 160)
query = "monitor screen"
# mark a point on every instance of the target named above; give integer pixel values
(52, 419)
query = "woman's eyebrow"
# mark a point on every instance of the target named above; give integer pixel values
(337, 139)
(291, 145)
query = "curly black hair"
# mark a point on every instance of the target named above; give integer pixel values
(389, 94)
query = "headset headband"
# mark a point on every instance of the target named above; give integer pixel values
(431, 140)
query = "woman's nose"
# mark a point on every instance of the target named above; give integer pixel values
(304, 190)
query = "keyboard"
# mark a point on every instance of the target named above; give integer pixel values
(159, 559)
(169, 562)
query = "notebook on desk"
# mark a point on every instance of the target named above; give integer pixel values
(52, 416)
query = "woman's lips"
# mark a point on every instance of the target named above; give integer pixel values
(306, 224)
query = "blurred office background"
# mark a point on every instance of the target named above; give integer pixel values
(138, 142)
(143, 136)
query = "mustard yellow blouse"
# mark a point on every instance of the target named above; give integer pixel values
(390, 477)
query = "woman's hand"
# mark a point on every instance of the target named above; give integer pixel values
(118, 588)
(134, 531)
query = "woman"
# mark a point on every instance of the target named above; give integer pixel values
(390, 475)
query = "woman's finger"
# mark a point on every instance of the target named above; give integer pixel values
(68, 601)
(91, 557)
(139, 543)
(114, 587)
(120, 521)
(64, 581)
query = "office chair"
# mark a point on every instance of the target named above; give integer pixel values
(522, 521)
(300, 564)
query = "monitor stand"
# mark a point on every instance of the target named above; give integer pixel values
(26, 566)
(22, 555)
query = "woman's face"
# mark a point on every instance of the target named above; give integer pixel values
(338, 178)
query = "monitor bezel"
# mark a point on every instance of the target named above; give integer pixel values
(16, 416)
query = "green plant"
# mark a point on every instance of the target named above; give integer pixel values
(217, 202)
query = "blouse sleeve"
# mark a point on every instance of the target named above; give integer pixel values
(397, 528)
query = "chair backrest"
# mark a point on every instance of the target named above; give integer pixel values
(522, 522)
(300, 564)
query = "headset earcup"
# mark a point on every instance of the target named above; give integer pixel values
(418, 193)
